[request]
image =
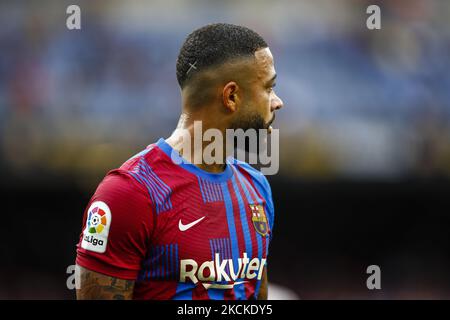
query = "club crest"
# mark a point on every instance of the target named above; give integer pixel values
(259, 219)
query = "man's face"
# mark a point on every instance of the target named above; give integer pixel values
(260, 101)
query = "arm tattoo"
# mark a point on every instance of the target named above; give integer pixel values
(96, 286)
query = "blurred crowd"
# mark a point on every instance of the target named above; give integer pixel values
(359, 103)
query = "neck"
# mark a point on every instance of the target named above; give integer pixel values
(189, 135)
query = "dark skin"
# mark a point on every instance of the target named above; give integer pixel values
(235, 90)
(218, 98)
(97, 286)
(263, 289)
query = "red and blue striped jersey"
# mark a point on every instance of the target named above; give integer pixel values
(178, 231)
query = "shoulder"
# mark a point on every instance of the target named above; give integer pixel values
(149, 170)
(254, 174)
(258, 180)
(122, 194)
(128, 182)
(118, 183)
(142, 165)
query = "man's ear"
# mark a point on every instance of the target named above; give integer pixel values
(230, 96)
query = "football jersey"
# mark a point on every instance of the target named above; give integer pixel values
(178, 231)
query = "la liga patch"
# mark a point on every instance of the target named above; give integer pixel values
(95, 234)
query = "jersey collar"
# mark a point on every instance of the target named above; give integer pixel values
(179, 160)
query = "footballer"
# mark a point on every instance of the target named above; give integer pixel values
(159, 229)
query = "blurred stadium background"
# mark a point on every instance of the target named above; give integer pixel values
(365, 134)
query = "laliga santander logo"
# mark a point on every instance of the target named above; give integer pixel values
(95, 235)
(97, 220)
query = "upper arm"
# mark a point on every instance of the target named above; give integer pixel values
(118, 224)
(97, 286)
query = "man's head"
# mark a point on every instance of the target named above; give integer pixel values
(229, 69)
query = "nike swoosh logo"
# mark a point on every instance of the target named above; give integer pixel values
(184, 227)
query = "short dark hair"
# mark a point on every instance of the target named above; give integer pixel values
(213, 45)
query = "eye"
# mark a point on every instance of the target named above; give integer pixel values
(270, 87)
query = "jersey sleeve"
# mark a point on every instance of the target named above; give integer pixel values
(117, 227)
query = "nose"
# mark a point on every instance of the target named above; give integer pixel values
(277, 103)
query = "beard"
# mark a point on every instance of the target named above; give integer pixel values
(252, 121)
